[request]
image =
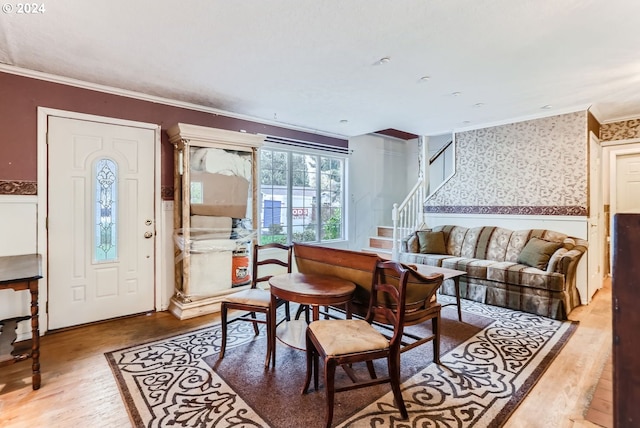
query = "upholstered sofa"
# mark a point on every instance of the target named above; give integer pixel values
(532, 270)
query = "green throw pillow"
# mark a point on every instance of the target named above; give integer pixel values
(537, 253)
(431, 242)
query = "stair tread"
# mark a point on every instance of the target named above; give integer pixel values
(377, 250)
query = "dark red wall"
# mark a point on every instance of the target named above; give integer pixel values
(21, 96)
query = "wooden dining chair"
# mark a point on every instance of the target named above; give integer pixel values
(256, 299)
(343, 342)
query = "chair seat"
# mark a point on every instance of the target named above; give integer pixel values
(340, 337)
(252, 296)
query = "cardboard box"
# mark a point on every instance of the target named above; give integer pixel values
(219, 195)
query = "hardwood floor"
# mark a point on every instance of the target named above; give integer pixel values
(563, 395)
(78, 388)
(601, 408)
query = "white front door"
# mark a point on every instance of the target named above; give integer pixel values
(101, 221)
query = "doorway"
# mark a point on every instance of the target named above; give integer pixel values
(101, 188)
(623, 187)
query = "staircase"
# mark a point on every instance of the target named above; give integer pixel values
(382, 243)
(409, 215)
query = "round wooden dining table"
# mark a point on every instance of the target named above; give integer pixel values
(314, 290)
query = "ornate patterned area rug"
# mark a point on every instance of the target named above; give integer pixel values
(489, 363)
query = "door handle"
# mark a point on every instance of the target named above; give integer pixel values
(148, 235)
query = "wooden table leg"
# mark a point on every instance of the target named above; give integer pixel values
(35, 333)
(456, 283)
(316, 312)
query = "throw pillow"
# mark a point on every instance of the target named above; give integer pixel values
(537, 253)
(431, 242)
(413, 245)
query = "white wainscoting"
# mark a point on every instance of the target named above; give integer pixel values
(18, 235)
(571, 225)
(167, 253)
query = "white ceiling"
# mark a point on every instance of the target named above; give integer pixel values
(313, 64)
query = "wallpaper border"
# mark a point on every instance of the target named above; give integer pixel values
(18, 187)
(503, 209)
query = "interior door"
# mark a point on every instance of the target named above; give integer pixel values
(101, 221)
(627, 192)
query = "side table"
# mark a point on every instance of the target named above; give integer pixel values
(21, 273)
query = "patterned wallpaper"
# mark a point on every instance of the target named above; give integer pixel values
(624, 130)
(532, 167)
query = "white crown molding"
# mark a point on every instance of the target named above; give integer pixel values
(153, 98)
(620, 119)
(546, 114)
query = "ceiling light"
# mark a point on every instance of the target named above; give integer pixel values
(383, 60)
(425, 78)
(456, 94)
(344, 121)
(478, 104)
(466, 122)
(546, 107)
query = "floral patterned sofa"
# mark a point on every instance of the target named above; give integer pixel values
(532, 270)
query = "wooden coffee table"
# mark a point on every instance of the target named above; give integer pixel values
(448, 274)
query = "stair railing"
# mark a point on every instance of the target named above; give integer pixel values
(408, 216)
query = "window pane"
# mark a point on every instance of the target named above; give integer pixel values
(274, 167)
(304, 219)
(106, 213)
(331, 172)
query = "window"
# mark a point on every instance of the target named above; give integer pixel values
(106, 213)
(301, 196)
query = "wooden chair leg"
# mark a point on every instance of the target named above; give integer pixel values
(310, 357)
(435, 327)
(303, 309)
(287, 310)
(329, 384)
(255, 324)
(372, 370)
(394, 375)
(270, 341)
(223, 319)
(271, 326)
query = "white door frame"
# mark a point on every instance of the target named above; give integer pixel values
(614, 149)
(42, 207)
(595, 254)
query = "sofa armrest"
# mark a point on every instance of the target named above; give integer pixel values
(404, 244)
(565, 259)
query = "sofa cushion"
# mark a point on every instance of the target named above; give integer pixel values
(431, 242)
(525, 276)
(423, 259)
(486, 242)
(475, 268)
(453, 238)
(520, 238)
(537, 253)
